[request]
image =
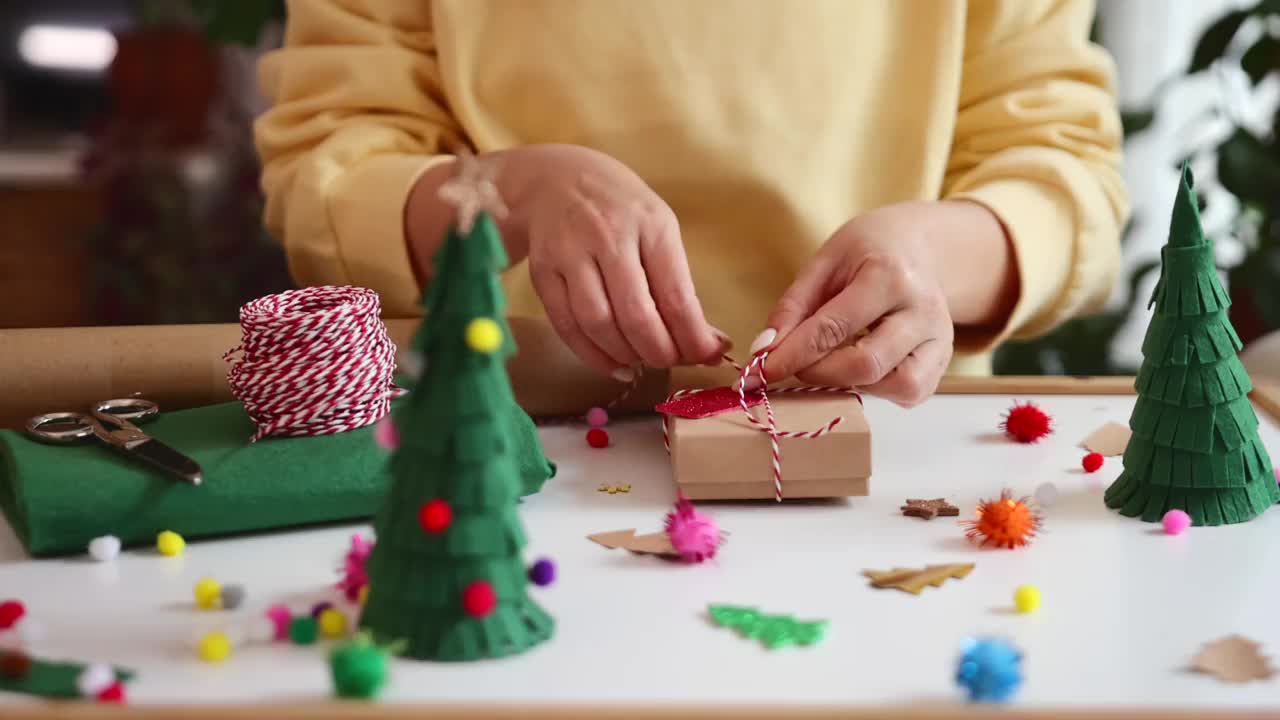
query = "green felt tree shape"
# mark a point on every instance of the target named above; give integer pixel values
(446, 578)
(1195, 444)
(773, 631)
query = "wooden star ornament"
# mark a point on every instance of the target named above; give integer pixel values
(1233, 659)
(472, 190)
(929, 509)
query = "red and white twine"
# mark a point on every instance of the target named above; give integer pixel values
(769, 425)
(314, 361)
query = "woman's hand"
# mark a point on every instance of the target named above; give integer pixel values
(874, 309)
(606, 258)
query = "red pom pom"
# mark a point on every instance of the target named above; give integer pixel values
(435, 516)
(10, 612)
(1027, 423)
(479, 599)
(113, 693)
(597, 438)
(1092, 462)
(1004, 522)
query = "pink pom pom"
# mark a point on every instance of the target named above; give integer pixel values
(693, 535)
(1175, 521)
(354, 574)
(280, 616)
(597, 417)
(386, 434)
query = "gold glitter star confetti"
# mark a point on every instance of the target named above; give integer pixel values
(614, 489)
(472, 190)
(929, 509)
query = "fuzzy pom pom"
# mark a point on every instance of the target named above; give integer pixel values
(989, 670)
(597, 417)
(1046, 494)
(11, 611)
(1027, 423)
(597, 438)
(435, 516)
(484, 335)
(1004, 522)
(280, 617)
(358, 668)
(170, 543)
(303, 630)
(355, 575)
(1026, 598)
(319, 608)
(207, 592)
(94, 678)
(105, 548)
(1092, 462)
(232, 596)
(215, 647)
(694, 535)
(542, 573)
(479, 599)
(385, 433)
(1175, 521)
(113, 693)
(332, 623)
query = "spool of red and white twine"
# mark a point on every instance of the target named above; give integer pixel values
(769, 425)
(314, 361)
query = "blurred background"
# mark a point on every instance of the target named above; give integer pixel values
(129, 186)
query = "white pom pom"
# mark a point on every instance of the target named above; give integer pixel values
(261, 631)
(1046, 494)
(94, 679)
(105, 548)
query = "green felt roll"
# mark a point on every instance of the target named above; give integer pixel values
(59, 497)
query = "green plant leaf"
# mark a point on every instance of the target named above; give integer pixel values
(1248, 169)
(1261, 58)
(234, 23)
(1135, 121)
(1215, 40)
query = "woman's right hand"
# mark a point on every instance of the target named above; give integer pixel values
(607, 260)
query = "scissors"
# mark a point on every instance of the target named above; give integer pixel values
(109, 422)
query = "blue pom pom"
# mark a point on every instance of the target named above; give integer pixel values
(989, 669)
(542, 573)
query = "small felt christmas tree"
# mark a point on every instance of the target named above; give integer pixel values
(1195, 444)
(446, 579)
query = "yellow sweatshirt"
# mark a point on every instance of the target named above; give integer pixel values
(764, 124)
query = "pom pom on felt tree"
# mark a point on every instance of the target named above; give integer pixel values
(484, 335)
(1004, 522)
(693, 535)
(358, 668)
(1091, 462)
(479, 599)
(598, 438)
(1027, 423)
(170, 543)
(542, 573)
(105, 548)
(989, 670)
(435, 516)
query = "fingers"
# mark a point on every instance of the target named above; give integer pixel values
(874, 356)
(916, 378)
(671, 287)
(806, 294)
(592, 311)
(551, 287)
(636, 313)
(833, 325)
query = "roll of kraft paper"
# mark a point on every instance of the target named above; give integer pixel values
(59, 497)
(181, 366)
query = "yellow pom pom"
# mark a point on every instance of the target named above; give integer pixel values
(484, 335)
(1027, 598)
(215, 647)
(208, 592)
(362, 596)
(333, 623)
(170, 543)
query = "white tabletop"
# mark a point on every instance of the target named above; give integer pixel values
(1125, 606)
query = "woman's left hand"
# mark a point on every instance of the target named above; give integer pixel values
(869, 311)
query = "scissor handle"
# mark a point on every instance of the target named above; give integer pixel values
(80, 427)
(135, 409)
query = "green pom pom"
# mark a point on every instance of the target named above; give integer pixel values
(303, 630)
(359, 668)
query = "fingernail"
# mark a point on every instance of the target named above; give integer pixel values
(763, 340)
(624, 375)
(753, 384)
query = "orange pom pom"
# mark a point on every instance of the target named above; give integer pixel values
(1004, 522)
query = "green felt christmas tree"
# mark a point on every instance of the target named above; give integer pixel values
(1195, 445)
(773, 631)
(446, 577)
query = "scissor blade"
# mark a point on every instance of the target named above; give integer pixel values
(169, 460)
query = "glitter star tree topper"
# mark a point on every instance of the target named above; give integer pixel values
(446, 579)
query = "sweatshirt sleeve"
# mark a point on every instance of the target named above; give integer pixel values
(1037, 142)
(357, 114)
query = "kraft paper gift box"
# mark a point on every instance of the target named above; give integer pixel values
(726, 457)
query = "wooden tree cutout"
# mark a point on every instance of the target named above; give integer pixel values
(1233, 659)
(914, 580)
